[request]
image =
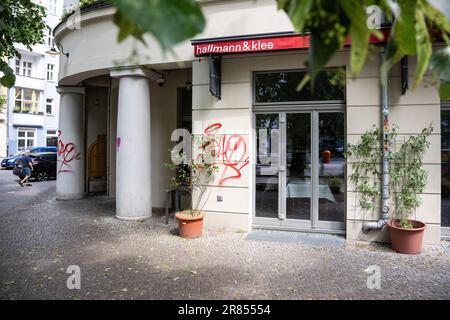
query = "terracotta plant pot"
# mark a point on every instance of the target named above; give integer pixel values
(406, 240)
(189, 226)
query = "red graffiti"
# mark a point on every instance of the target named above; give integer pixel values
(67, 152)
(231, 152)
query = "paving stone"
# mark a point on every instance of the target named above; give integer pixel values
(146, 260)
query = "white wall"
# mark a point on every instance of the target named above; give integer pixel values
(412, 112)
(91, 54)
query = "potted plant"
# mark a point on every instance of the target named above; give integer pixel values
(407, 180)
(194, 175)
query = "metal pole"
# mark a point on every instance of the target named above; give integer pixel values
(385, 164)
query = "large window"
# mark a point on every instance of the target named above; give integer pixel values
(26, 138)
(50, 38)
(281, 87)
(23, 68)
(52, 138)
(26, 101)
(50, 69)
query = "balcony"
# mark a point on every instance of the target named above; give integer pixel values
(30, 82)
(28, 119)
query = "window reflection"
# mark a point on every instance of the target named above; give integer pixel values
(267, 165)
(331, 167)
(298, 166)
(282, 86)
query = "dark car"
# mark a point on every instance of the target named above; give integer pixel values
(10, 162)
(44, 166)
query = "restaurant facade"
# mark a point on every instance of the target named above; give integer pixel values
(281, 162)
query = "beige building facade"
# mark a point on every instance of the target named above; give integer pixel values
(281, 163)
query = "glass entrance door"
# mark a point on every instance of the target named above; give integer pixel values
(299, 173)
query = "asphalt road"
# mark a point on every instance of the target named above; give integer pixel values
(12, 195)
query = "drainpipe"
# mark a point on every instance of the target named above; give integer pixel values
(385, 177)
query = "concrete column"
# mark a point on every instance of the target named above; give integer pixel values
(133, 154)
(70, 168)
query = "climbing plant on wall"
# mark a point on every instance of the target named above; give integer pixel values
(407, 178)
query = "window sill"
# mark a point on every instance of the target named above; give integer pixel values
(19, 75)
(30, 113)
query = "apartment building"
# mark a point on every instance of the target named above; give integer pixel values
(33, 102)
(3, 136)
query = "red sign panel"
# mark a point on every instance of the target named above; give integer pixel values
(252, 45)
(263, 44)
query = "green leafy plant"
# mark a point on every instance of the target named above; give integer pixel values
(169, 21)
(366, 172)
(3, 101)
(195, 175)
(407, 177)
(416, 25)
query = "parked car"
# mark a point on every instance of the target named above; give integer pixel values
(44, 166)
(10, 162)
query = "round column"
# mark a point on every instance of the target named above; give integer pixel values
(70, 167)
(133, 142)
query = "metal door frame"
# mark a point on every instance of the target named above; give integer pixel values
(314, 224)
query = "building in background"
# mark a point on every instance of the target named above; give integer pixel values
(3, 120)
(33, 102)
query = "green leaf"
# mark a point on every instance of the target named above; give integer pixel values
(443, 6)
(297, 11)
(359, 33)
(438, 12)
(424, 47)
(8, 80)
(320, 52)
(127, 28)
(440, 64)
(404, 30)
(304, 82)
(392, 55)
(444, 90)
(169, 21)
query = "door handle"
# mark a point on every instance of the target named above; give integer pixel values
(282, 168)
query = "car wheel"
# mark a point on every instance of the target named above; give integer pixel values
(42, 176)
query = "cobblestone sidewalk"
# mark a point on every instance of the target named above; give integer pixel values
(145, 260)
